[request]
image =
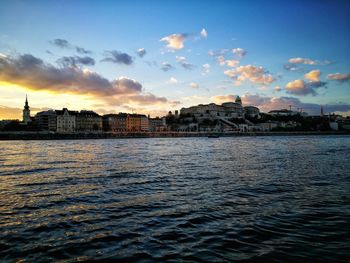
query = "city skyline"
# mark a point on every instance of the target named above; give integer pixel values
(155, 57)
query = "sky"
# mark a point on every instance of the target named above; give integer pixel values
(152, 57)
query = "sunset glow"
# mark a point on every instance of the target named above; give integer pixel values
(158, 62)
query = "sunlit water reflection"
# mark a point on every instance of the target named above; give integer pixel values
(266, 199)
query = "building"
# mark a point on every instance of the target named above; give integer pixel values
(124, 122)
(87, 120)
(157, 124)
(26, 113)
(227, 110)
(137, 123)
(238, 100)
(66, 120)
(47, 120)
(251, 111)
(4, 123)
(115, 122)
(283, 112)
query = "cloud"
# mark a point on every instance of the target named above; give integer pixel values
(206, 68)
(339, 77)
(219, 99)
(232, 63)
(296, 86)
(221, 60)
(32, 73)
(74, 61)
(305, 61)
(141, 52)
(211, 53)
(239, 52)
(152, 63)
(166, 66)
(175, 41)
(62, 43)
(291, 67)
(194, 85)
(183, 62)
(256, 75)
(302, 88)
(313, 75)
(83, 51)
(173, 80)
(204, 33)
(277, 88)
(117, 57)
(215, 53)
(265, 104)
(293, 62)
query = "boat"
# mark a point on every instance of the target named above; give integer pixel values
(213, 136)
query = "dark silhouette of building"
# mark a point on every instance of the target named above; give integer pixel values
(87, 120)
(47, 120)
(26, 113)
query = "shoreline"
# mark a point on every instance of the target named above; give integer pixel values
(4, 136)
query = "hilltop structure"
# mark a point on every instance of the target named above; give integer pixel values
(225, 111)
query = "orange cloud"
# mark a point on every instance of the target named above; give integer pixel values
(313, 75)
(175, 41)
(339, 77)
(306, 61)
(31, 72)
(219, 99)
(252, 73)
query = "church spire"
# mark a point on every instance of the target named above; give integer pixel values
(26, 112)
(26, 103)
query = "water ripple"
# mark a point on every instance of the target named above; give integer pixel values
(263, 199)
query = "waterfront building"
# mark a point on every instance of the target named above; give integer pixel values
(26, 113)
(87, 120)
(157, 124)
(66, 120)
(47, 120)
(137, 123)
(115, 122)
(124, 122)
(4, 123)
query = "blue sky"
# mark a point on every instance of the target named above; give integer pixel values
(314, 35)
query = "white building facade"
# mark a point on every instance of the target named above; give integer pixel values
(66, 120)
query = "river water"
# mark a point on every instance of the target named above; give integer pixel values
(247, 199)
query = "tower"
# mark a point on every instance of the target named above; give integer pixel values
(26, 112)
(322, 114)
(238, 100)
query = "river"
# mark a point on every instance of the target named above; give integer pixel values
(247, 199)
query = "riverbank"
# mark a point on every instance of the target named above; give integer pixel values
(105, 135)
